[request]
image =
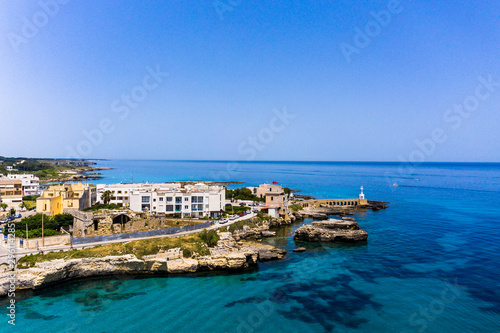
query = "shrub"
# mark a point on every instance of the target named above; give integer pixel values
(210, 237)
(295, 207)
(186, 253)
(102, 206)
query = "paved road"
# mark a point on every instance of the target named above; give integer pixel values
(21, 252)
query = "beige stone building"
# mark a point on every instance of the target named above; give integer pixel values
(276, 198)
(68, 196)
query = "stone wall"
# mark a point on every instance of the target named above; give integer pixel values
(108, 222)
(333, 203)
(47, 241)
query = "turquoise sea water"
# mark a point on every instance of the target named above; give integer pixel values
(431, 264)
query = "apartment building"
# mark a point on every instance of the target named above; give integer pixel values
(197, 200)
(11, 192)
(30, 183)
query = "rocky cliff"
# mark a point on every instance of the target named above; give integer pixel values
(345, 230)
(228, 255)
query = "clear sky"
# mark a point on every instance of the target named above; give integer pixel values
(251, 80)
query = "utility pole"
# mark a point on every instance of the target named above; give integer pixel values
(43, 239)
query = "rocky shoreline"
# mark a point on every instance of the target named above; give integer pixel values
(88, 173)
(345, 230)
(228, 255)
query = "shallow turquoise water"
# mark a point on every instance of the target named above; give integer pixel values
(431, 263)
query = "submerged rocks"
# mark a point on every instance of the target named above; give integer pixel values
(345, 230)
(299, 249)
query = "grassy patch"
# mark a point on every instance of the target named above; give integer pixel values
(140, 248)
(240, 224)
(295, 207)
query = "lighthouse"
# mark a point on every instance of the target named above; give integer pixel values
(361, 195)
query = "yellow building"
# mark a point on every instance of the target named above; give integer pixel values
(59, 197)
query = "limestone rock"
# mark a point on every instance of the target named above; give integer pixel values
(331, 231)
(177, 266)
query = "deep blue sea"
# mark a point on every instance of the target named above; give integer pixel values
(431, 264)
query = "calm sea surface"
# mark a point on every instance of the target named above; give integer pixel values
(431, 264)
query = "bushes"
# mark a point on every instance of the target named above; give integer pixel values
(186, 253)
(35, 222)
(35, 233)
(237, 209)
(295, 207)
(102, 206)
(240, 224)
(242, 194)
(209, 236)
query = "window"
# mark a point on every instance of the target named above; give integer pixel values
(186, 207)
(160, 198)
(154, 200)
(186, 199)
(272, 198)
(178, 208)
(200, 199)
(170, 208)
(178, 199)
(145, 199)
(169, 199)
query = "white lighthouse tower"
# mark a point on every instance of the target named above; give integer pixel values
(361, 195)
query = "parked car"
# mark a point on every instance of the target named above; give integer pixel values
(222, 221)
(234, 217)
(255, 210)
(241, 214)
(17, 216)
(242, 204)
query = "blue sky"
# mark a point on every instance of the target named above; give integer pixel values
(251, 81)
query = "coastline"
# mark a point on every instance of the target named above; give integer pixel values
(229, 256)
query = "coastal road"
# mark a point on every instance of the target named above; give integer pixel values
(21, 252)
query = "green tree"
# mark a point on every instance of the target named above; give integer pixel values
(3, 206)
(106, 197)
(12, 211)
(210, 237)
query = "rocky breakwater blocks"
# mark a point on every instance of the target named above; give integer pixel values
(332, 230)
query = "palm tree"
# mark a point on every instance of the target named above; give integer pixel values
(106, 197)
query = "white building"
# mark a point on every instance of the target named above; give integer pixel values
(120, 193)
(31, 183)
(170, 198)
